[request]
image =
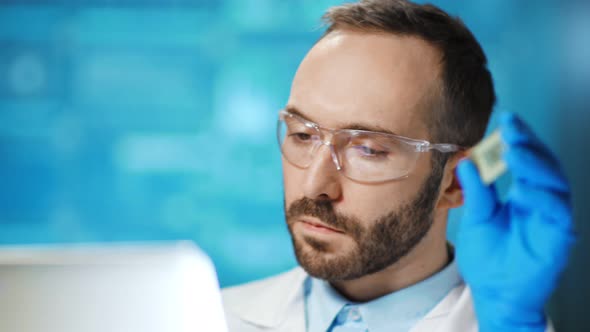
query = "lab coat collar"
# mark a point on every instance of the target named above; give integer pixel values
(270, 301)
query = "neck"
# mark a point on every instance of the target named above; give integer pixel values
(426, 259)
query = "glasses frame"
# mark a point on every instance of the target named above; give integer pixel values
(418, 145)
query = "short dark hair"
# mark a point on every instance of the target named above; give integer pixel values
(467, 93)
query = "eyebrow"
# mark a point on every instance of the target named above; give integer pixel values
(351, 126)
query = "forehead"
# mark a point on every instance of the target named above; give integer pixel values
(373, 80)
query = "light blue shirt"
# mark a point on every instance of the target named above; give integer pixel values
(398, 311)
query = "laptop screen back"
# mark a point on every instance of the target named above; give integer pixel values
(118, 288)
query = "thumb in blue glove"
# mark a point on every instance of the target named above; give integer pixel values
(512, 253)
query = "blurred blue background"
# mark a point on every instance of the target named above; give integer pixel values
(154, 119)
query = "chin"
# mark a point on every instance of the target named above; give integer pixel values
(322, 261)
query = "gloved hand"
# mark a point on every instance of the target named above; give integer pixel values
(512, 253)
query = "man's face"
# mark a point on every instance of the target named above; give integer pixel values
(352, 79)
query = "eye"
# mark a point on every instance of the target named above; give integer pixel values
(368, 152)
(301, 137)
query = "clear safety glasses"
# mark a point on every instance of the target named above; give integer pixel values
(360, 155)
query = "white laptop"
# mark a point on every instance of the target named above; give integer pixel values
(109, 288)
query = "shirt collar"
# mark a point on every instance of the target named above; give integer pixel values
(399, 310)
(322, 304)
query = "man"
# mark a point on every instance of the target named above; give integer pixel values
(373, 140)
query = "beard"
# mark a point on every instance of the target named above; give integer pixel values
(383, 243)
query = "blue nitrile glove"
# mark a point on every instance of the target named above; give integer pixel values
(512, 253)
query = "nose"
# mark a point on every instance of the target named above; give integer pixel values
(322, 181)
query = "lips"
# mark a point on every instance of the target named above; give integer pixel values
(319, 226)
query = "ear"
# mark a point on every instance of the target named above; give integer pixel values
(451, 193)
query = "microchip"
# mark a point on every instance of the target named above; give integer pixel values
(487, 156)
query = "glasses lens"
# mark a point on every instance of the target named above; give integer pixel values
(374, 157)
(297, 140)
(365, 156)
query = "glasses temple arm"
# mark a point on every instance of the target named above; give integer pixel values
(445, 148)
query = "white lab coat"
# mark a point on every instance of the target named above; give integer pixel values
(276, 304)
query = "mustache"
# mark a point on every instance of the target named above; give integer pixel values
(323, 210)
